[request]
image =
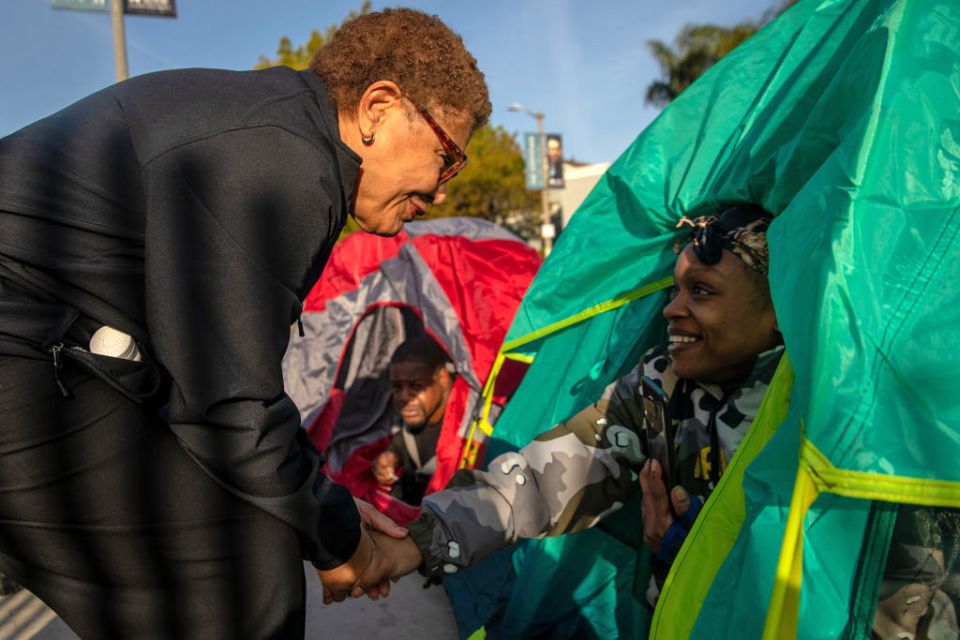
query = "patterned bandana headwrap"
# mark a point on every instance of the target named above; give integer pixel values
(740, 229)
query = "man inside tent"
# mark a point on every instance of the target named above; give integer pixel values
(722, 350)
(921, 577)
(421, 376)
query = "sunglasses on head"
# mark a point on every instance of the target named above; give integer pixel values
(707, 244)
(709, 240)
(454, 155)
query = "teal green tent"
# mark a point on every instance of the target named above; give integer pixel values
(843, 118)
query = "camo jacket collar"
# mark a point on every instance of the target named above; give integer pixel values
(704, 415)
(658, 364)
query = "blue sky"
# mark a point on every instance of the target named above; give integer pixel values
(584, 63)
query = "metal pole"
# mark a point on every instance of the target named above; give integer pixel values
(119, 39)
(544, 196)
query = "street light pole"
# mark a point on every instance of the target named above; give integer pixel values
(119, 39)
(544, 196)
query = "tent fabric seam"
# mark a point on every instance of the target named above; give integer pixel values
(921, 280)
(870, 569)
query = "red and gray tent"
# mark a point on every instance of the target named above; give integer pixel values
(459, 280)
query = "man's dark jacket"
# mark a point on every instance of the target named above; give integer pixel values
(194, 210)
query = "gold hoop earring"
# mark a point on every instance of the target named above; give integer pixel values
(368, 140)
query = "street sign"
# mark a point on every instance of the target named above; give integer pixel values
(162, 8)
(533, 161)
(81, 5)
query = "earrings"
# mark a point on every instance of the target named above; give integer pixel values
(368, 139)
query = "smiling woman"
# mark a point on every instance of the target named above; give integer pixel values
(191, 211)
(720, 317)
(720, 314)
(406, 105)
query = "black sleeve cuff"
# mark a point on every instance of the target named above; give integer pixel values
(421, 532)
(339, 535)
(337, 527)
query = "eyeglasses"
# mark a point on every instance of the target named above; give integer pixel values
(455, 157)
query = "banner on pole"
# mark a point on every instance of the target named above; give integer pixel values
(554, 161)
(533, 161)
(160, 8)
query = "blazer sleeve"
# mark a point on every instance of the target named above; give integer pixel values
(238, 226)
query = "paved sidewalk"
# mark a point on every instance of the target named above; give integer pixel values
(410, 613)
(22, 616)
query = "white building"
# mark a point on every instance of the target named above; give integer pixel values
(579, 179)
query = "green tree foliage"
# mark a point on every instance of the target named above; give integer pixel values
(696, 49)
(492, 186)
(299, 57)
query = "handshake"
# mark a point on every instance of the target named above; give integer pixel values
(385, 553)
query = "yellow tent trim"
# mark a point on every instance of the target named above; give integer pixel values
(507, 352)
(818, 475)
(716, 529)
(482, 421)
(595, 310)
(472, 446)
(877, 486)
(783, 614)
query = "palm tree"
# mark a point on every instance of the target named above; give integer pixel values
(698, 47)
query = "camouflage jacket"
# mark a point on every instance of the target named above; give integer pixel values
(574, 474)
